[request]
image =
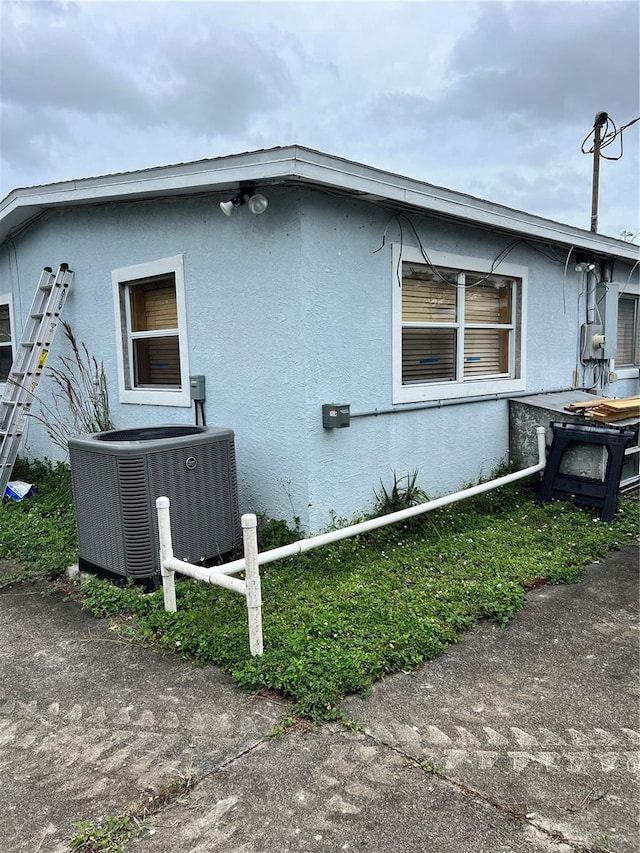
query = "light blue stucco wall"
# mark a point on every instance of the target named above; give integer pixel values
(244, 315)
(348, 286)
(286, 311)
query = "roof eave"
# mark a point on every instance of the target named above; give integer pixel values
(308, 166)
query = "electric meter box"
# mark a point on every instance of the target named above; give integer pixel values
(336, 416)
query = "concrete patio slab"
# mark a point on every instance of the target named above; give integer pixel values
(543, 714)
(87, 721)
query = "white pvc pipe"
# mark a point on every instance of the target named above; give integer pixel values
(254, 595)
(303, 545)
(252, 560)
(166, 554)
(211, 576)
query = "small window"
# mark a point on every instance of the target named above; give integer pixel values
(460, 328)
(152, 350)
(6, 342)
(628, 349)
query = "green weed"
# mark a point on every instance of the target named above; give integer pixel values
(112, 836)
(430, 767)
(404, 493)
(353, 726)
(273, 532)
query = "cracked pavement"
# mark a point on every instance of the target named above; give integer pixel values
(523, 738)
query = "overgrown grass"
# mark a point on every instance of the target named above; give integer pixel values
(39, 532)
(339, 618)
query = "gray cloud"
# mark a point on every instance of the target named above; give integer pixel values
(210, 79)
(533, 62)
(549, 61)
(24, 139)
(488, 98)
(40, 72)
(221, 83)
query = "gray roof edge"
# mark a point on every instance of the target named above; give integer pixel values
(308, 165)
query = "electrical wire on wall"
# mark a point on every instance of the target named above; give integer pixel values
(495, 263)
(497, 260)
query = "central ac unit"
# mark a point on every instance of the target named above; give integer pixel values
(118, 475)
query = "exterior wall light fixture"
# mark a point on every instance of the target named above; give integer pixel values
(256, 202)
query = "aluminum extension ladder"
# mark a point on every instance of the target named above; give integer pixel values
(31, 356)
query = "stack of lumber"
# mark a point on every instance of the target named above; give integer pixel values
(608, 410)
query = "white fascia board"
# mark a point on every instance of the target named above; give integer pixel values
(21, 205)
(441, 201)
(142, 184)
(308, 166)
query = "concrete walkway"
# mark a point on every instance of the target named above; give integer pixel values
(524, 739)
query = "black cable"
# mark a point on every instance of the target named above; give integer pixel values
(499, 258)
(611, 133)
(545, 254)
(399, 264)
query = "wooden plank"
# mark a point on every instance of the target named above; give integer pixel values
(621, 405)
(617, 404)
(611, 417)
(585, 404)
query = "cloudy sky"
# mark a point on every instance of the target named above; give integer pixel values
(489, 98)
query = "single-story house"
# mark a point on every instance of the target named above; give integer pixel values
(422, 309)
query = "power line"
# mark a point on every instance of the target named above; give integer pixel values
(605, 133)
(604, 122)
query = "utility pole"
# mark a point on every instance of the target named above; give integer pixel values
(600, 120)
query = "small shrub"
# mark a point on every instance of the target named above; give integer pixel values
(404, 493)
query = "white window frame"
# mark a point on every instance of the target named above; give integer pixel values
(632, 290)
(120, 280)
(474, 387)
(6, 299)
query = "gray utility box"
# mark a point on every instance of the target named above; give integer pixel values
(582, 460)
(118, 475)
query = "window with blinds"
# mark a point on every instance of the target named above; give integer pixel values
(151, 345)
(456, 326)
(154, 332)
(6, 348)
(628, 350)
